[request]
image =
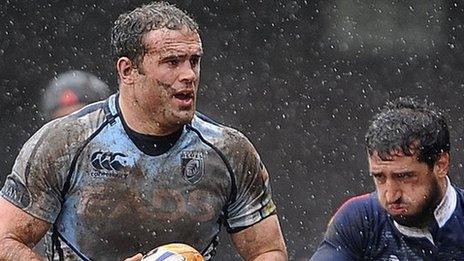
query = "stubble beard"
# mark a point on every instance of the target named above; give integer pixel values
(180, 118)
(426, 210)
(176, 117)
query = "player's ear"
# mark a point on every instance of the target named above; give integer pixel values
(126, 72)
(441, 166)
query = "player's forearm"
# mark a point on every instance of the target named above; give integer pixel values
(276, 255)
(11, 249)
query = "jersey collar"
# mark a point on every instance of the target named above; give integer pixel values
(445, 209)
(442, 214)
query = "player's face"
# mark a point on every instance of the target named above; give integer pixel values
(407, 189)
(168, 76)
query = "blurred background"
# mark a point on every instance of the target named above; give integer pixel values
(300, 78)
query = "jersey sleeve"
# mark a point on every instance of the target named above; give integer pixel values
(35, 182)
(347, 232)
(253, 201)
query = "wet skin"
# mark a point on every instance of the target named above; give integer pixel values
(407, 189)
(161, 90)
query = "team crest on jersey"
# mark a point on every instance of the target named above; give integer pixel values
(193, 166)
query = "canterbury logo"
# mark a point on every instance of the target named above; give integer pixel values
(107, 160)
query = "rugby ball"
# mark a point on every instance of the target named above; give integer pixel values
(173, 252)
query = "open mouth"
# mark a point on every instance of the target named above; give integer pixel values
(184, 98)
(397, 209)
(184, 95)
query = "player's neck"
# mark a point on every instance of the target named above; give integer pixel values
(138, 121)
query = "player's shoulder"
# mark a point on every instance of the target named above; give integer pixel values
(358, 218)
(91, 113)
(459, 191)
(57, 140)
(459, 196)
(81, 121)
(217, 132)
(70, 129)
(360, 207)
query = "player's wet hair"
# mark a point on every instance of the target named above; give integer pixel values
(411, 126)
(129, 29)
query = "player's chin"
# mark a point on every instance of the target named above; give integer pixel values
(183, 117)
(406, 220)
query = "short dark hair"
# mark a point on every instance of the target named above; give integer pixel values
(129, 29)
(411, 126)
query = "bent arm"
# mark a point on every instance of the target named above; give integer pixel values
(262, 241)
(19, 232)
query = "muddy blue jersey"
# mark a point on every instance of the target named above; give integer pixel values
(109, 200)
(362, 230)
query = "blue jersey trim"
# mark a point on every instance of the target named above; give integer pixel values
(207, 119)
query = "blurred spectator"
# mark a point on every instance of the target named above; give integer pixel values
(71, 91)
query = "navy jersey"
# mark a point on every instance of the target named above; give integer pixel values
(362, 230)
(109, 200)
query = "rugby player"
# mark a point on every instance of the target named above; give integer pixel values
(415, 213)
(142, 168)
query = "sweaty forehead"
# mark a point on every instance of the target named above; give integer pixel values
(165, 40)
(393, 161)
